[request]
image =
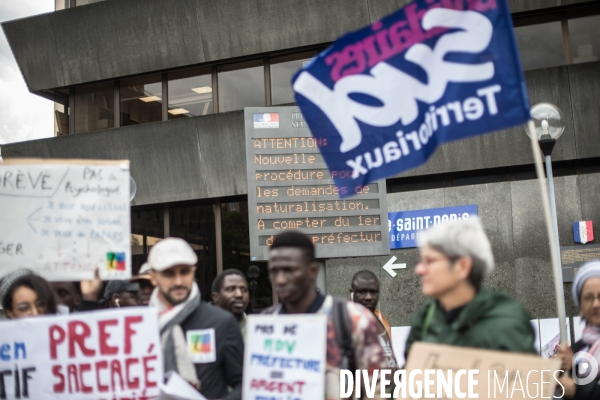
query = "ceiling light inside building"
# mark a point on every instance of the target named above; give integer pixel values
(177, 111)
(149, 99)
(202, 90)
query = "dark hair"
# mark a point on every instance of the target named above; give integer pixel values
(297, 240)
(218, 282)
(39, 285)
(366, 275)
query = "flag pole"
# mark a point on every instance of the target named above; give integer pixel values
(554, 249)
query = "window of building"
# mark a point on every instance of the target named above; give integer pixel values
(190, 93)
(282, 71)
(94, 107)
(541, 45)
(141, 100)
(61, 112)
(241, 85)
(585, 39)
(196, 225)
(147, 228)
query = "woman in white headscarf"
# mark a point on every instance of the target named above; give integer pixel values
(584, 381)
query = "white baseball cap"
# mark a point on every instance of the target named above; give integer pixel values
(170, 252)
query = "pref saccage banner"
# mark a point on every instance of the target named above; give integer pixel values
(102, 355)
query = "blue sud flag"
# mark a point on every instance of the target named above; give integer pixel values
(385, 96)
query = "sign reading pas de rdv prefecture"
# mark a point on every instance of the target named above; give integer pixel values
(385, 96)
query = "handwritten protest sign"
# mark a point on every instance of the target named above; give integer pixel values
(104, 355)
(502, 375)
(64, 218)
(285, 357)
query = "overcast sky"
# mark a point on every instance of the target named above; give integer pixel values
(23, 116)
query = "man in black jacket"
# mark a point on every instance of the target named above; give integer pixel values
(201, 342)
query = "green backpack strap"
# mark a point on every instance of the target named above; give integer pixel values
(428, 317)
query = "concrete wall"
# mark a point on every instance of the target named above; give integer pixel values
(113, 39)
(513, 220)
(204, 157)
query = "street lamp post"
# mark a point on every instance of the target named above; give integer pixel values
(549, 123)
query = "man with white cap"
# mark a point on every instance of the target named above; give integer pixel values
(200, 342)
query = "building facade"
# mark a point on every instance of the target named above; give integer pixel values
(163, 83)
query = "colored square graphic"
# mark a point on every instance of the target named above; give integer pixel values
(200, 343)
(115, 261)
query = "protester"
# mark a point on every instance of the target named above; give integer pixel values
(365, 291)
(68, 293)
(293, 271)
(24, 294)
(120, 293)
(230, 292)
(90, 292)
(144, 279)
(455, 257)
(586, 295)
(201, 343)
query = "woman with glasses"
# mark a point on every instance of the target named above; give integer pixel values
(455, 258)
(584, 380)
(24, 294)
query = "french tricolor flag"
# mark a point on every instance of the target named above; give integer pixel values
(583, 231)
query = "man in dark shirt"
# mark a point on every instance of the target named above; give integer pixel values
(365, 291)
(202, 343)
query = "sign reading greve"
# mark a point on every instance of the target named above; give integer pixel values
(285, 357)
(64, 218)
(404, 226)
(385, 96)
(104, 355)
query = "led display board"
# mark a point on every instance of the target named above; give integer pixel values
(290, 187)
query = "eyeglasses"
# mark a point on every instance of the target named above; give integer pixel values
(429, 262)
(589, 298)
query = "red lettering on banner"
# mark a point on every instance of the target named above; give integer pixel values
(115, 368)
(60, 386)
(85, 368)
(277, 386)
(55, 341)
(147, 370)
(79, 338)
(72, 376)
(105, 348)
(129, 331)
(99, 366)
(131, 383)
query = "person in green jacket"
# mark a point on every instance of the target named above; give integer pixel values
(455, 258)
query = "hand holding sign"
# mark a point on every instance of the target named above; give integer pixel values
(67, 218)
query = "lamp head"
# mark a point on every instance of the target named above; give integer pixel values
(549, 121)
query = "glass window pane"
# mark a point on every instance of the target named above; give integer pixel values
(191, 95)
(585, 39)
(281, 78)
(196, 225)
(141, 100)
(241, 85)
(94, 107)
(541, 45)
(147, 228)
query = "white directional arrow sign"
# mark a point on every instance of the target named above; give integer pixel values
(390, 266)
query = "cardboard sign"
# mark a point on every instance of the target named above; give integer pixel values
(502, 375)
(64, 218)
(285, 357)
(102, 355)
